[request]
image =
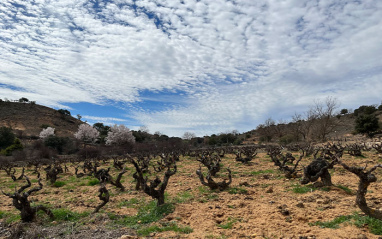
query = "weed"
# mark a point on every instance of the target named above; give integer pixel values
(129, 203)
(229, 223)
(9, 217)
(237, 190)
(62, 214)
(334, 224)
(147, 214)
(261, 172)
(374, 225)
(302, 189)
(183, 197)
(172, 226)
(346, 189)
(93, 182)
(58, 184)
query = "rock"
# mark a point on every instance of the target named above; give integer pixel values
(246, 184)
(320, 201)
(127, 237)
(361, 236)
(284, 210)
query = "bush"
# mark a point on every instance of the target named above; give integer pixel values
(7, 137)
(64, 112)
(365, 109)
(344, 111)
(367, 124)
(56, 142)
(58, 184)
(15, 146)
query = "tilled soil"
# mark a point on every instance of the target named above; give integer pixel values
(260, 203)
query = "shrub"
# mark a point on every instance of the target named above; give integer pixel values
(15, 146)
(7, 137)
(58, 184)
(93, 182)
(56, 142)
(367, 124)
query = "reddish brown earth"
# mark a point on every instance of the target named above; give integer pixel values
(256, 213)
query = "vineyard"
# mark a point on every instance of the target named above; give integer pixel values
(303, 191)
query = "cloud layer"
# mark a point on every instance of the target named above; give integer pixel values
(226, 64)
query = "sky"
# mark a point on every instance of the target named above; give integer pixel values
(195, 66)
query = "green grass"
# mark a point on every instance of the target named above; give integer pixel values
(297, 188)
(63, 214)
(254, 173)
(237, 190)
(58, 184)
(346, 189)
(183, 197)
(171, 226)
(228, 224)
(333, 224)
(147, 213)
(93, 182)
(374, 225)
(207, 193)
(9, 217)
(132, 203)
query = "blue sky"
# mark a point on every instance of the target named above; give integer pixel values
(199, 66)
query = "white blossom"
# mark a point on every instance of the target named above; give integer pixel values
(119, 134)
(86, 133)
(46, 132)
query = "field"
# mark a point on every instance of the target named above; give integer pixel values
(260, 203)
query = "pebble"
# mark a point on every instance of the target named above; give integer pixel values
(361, 236)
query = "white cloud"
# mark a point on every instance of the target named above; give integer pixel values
(236, 62)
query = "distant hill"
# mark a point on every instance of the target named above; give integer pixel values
(28, 119)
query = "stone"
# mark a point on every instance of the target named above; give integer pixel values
(269, 190)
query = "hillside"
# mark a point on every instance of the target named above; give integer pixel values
(27, 119)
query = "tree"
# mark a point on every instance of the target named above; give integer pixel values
(344, 111)
(119, 135)
(23, 100)
(266, 130)
(79, 117)
(102, 129)
(64, 112)
(86, 133)
(188, 135)
(365, 109)
(7, 137)
(14, 147)
(324, 113)
(366, 124)
(46, 132)
(56, 142)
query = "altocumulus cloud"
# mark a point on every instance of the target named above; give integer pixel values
(231, 64)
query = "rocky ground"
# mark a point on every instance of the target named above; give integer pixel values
(260, 203)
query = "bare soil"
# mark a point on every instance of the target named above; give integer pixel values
(260, 203)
